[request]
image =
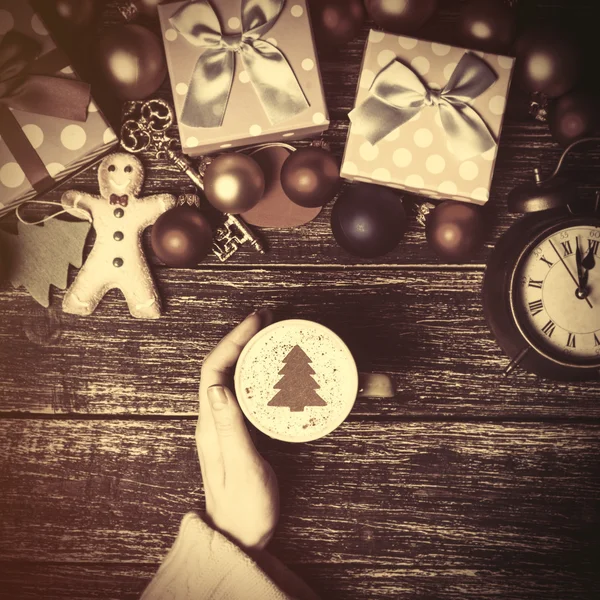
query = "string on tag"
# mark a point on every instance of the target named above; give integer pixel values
(85, 215)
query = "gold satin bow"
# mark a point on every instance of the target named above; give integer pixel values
(270, 73)
(398, 94)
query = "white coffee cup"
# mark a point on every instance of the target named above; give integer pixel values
(297, 381)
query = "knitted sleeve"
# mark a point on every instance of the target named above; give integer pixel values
(203, 565)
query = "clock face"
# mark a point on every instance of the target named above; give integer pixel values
(557, 307)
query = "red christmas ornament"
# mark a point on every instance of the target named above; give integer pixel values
(181, 237)
(548, 61)
(132, 61)
(75, 13)
(573, 116)
(400, 16)
(455, 230)
(336, 22)
(310, 177)
(234, 183)
(487, 25)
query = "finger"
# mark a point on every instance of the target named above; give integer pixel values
(216, 370)
(237, 449)
(219, 364)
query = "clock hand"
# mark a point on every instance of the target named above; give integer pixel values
(582, 272)
(583, 297)
(589, 262)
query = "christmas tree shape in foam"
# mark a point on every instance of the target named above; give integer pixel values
(297, 386)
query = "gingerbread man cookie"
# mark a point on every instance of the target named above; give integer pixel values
(119, 217)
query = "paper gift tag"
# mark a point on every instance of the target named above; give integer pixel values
(296, 381)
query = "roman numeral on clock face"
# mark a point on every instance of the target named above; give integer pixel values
(596, 340)
(571, 341)
(567, 248)
(544, 259)
(549, 328)
(534, 283)
(536, 307)
(593, 246)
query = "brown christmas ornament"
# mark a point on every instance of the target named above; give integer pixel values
(311, 177)
(548, 60)
(573, 116)
(400, 16)
(455, 230)
(234, 183)
(487, 25)
(336, 22)
(275, 209)
(181, 237)
(132, 61)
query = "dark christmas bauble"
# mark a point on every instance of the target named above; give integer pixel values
(132, 61)
(75, 13)
(336, 22)
(487, 25)
(368, 220)
(455, 230)
(310, 177)
(548, 60)
(400, 16)
(234, 183)
(181, 237)
(573, 116)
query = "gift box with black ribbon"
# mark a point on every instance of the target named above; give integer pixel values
(242, 72)
(427, 118)
(50, 127)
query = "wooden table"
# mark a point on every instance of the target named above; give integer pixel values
(467, 484)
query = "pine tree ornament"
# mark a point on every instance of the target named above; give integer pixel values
(297, 386)
(40, 255)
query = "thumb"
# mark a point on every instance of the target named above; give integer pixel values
(237, 448)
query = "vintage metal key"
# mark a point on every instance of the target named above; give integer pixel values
(146, 130)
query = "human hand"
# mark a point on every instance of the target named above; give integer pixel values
(242, 497)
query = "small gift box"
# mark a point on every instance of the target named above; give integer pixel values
(427, 118)
(242, 72)
(50, 128)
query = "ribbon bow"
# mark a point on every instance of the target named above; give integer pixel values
(116, 199)
(398, 94)
(22, 89)
(271, 75)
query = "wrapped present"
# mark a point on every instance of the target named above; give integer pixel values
(242, 72)
(50, 128)
(427, 118)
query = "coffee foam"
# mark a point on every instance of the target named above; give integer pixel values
(258, 380)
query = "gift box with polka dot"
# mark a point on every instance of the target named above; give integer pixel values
(64, 147)
(418, 156)
(245, 121)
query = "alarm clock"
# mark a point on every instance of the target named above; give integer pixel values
(541, 288)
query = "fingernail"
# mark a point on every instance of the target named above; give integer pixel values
(217, 397)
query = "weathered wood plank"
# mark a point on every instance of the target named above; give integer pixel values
(414, 495)
(333, 582)
(426, 328)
